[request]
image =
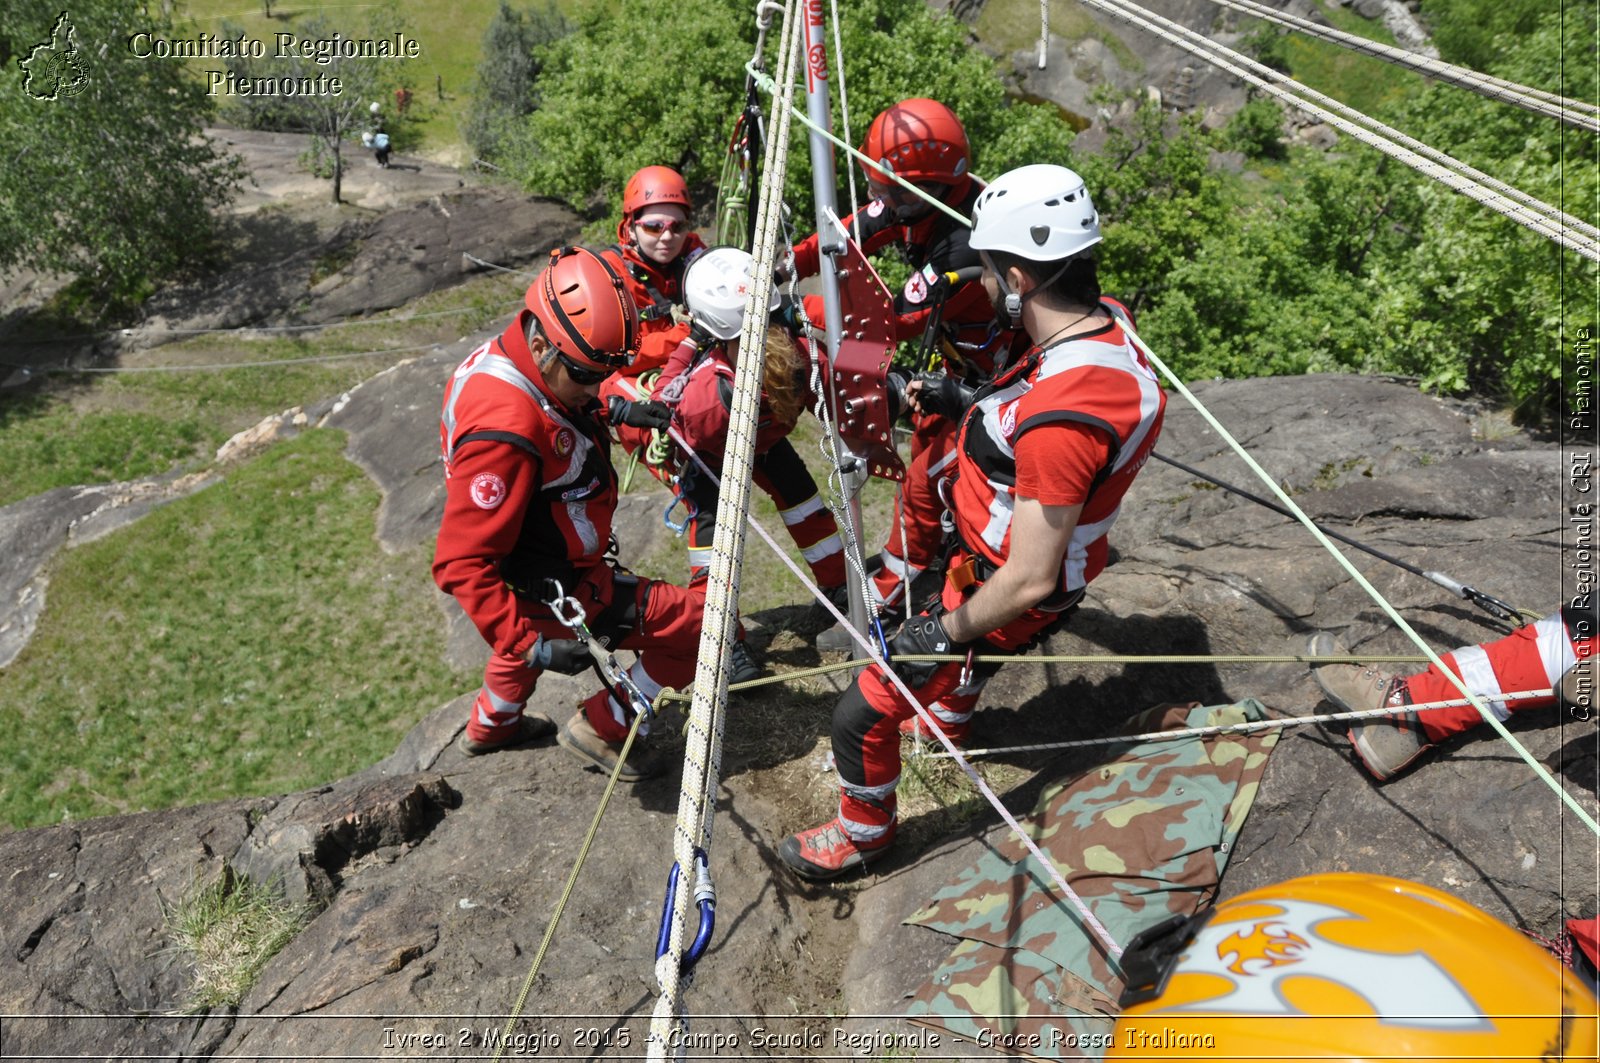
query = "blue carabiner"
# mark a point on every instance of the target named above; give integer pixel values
(688, 515)
(705, 896)
(878, 637)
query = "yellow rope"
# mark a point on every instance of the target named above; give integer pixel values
(566, 893)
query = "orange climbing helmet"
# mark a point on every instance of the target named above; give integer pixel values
(1348, 967)
(919, 140)
(584, 310)
(653, 186)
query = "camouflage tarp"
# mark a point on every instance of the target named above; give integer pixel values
(1140, 838)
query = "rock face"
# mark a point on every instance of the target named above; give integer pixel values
(435, 877)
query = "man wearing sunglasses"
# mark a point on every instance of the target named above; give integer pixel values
(655, 243)
(529, 500)
(923, 142)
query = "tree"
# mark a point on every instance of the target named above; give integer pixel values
(508, 73)
(108, 175)
(598, 122)
(331, 118)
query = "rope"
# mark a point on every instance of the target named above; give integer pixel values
(1044, 29)
(1355, 574)
(498, 268)
(844, 118)
(1552, 213)
(1251, 726)
(1068, 658)
(269, 364)
(708, 711)
(1229, 60)
(1571, 111)
(767, 85)
(566, 892)
(168, 331)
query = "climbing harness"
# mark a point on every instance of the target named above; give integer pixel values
(1487, 602)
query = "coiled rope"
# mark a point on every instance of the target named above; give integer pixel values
(1573, 112)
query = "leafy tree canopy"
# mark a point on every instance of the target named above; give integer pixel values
(108, 176)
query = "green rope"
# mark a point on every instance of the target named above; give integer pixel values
(669, 695)
(1361, 581)
(566, 894)
(770, 87)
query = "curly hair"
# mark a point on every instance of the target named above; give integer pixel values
(782, 384)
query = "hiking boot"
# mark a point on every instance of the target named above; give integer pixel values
(1384, 745)
(816, 617)
(837, 639)
(531, 727)
(1577, 685)
(743, 664)
(579, 737)
(828, 851)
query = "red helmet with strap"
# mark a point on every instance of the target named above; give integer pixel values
(584, 309)
(920, 140)
(653, 186)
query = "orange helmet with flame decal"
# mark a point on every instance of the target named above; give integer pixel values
(1349, 967)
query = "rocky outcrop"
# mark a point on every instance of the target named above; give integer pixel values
(434, 878)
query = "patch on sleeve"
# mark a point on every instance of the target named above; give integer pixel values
(918, 284)
(488, 490)
(875, 208)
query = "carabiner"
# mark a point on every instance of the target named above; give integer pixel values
(705, 896)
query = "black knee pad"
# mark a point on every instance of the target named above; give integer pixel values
(853, 717)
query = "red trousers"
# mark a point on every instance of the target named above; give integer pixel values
(660, 621)
(1530, 658)
(916, 538)
(866, 721)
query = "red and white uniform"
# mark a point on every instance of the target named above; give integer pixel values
(529, 498)
(655, 289)
(972, 343)
(703, 409)
(1070, 424)
(1532, 657)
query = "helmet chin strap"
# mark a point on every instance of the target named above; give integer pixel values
(1014, 300)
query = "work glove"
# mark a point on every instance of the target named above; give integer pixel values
(638, 414)
(920, 635)
(563, 656)
(943, 395)
(787, 316)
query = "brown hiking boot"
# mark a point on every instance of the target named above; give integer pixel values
(530, 728)
(579, 737)
(1385, 745)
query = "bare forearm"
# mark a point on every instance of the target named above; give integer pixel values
(1006, 596)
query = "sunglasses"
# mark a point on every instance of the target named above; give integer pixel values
(582, 374)
(655, 227)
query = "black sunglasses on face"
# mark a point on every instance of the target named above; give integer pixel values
(582, 374)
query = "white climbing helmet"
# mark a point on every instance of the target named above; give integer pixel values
(716, 288)
(1041, 212)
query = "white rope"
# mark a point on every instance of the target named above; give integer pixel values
(708, 709)
(1262, 70)
(1250, 726)
(219, 366)
(1234, 63)
(1355, 574)
(1044, 29)
(844, 118)
(1573, 112)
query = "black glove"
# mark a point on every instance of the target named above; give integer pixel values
(701, 336)
(920, 635)
(563, 656)
(943, 395)
(638, 414)
(787, 316)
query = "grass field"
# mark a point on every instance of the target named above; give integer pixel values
(450, 33)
